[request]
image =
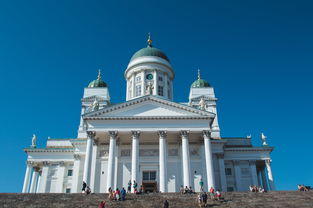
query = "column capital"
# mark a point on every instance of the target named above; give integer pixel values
(184, 133)
(162, 133)
(113, 134)
(91, 134)
(206, 133)
(135, 133)
(268, 161)
(36, 169)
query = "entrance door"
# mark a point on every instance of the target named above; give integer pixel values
(149, 181)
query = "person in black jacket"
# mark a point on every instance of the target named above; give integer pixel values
(166, 205)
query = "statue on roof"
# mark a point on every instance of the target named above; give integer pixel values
(34, 141)
(95, 105)
(202, 104)
(263, 137)
(149, 89)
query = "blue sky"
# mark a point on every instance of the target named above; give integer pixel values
(257, 55)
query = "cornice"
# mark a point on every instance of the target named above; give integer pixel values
(148, 118)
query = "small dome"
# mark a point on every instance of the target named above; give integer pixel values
(98, 82)
(200, 83)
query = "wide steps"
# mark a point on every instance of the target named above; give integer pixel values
(275, 199)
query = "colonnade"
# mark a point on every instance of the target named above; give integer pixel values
(36, 175)
(162, 158)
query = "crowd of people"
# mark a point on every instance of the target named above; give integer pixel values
(254, 188)
(212, 194)
(303, 187)
(119, 195)
(186, 190)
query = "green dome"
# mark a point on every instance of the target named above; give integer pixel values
(98, 82)
(200, 83)
(149, 51)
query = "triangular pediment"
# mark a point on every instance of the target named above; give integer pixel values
(149, 106)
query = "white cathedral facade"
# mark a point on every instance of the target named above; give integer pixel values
(149, 138)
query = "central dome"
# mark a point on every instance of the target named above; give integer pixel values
(149, 51)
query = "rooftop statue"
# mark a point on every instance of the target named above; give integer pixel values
(95, 105)
(34, 141)
(202, 104)
(149, 89)
(263, 139)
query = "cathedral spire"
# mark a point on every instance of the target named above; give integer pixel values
(149, 40)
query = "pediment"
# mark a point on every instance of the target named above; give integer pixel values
(149, 106)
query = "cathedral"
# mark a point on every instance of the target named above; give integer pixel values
(151, 139)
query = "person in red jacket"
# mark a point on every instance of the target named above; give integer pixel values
(102, 204)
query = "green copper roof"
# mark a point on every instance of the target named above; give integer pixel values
(98, 82)
(200, 83)
(149, 51)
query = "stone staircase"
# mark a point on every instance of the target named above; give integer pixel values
(274, 199)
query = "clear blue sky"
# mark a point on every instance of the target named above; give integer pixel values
(257, 54)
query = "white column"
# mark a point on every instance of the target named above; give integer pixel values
(39, 181)
(135, 157)
(116, 166)
(238, 175)
(208, 159)
(270, 175)
(27, 177)
(264, 181)
(254, 175)
(93, 165)
(222, 171)
(33, 185)
(61, 173)
(44, 178)
(185, 158)
(163, 160)
(76, 183)
(111, 160)
(88, 157)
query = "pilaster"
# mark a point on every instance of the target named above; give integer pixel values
(221, 163)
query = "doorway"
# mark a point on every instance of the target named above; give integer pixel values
(149, 181)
